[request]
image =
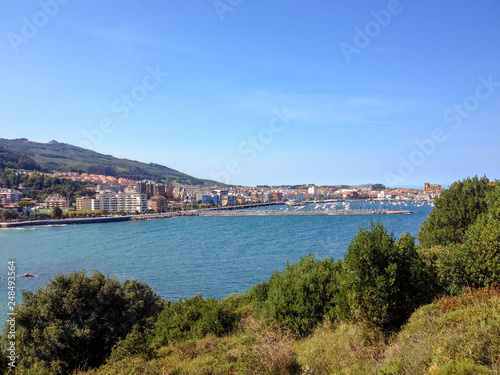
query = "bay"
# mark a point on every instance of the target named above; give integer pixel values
(180, 257)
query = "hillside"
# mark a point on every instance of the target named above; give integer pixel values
(63, 157)
(450, 336)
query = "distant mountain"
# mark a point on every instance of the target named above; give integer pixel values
(63, 157)
(12, 159)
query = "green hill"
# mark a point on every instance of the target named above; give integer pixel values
(63, 157)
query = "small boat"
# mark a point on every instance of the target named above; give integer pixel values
(27, 275)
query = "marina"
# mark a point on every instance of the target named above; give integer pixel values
(305, 213)
(210, 253)
(301, 210)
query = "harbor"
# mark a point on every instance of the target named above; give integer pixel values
(304, 213)
(167, 215)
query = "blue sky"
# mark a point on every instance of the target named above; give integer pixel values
(259, 92)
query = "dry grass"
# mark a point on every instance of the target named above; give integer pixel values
(272, 348)
(454, 335)
(341, 349)
(470, 297)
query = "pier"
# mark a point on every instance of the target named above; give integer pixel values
(167, 215)
(305, 213)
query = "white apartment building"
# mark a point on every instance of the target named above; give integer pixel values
(120, 202)
(312, 190)
(9, 196)
(56, 200)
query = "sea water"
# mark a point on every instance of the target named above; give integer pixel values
(179, 257)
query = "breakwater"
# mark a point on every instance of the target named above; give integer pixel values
(306, 213)
(167, 215)
(183, 256)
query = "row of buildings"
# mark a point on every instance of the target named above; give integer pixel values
(122, 195)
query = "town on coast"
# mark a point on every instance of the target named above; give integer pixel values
(103, 198)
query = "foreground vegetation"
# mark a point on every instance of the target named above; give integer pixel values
(389, 307)
(450, 336)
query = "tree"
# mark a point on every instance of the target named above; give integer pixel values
(57, 212)
(195, 318)
(482, 252)
(476, 261)
(456, 209)
(26, 204)
(9, 215)
(301, 296)
(382, 280)
(76, 319)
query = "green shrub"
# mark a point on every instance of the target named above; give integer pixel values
(137, 343)
(258, 294)
(301, 296)
(195, 318)
(476, 260)
(454, 335)
(449, 265)
(76, 319)
(383, 281)
(456, 209)
(57, 212)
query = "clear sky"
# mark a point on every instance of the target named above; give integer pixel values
(261, 92)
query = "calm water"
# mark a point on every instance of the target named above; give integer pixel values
(181, 257)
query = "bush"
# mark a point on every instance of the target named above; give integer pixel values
(272, 348)
(57, 212)
(382, 280)
(195, 318)
(301, 296)
(137, 343)
(456, 209)
(76, 319)
(258, 295)
(457, 335)
(449, 265)
(476, 260)
(9, 215)
(341, 348)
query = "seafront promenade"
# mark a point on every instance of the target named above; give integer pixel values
(166, 215)
(91, 220)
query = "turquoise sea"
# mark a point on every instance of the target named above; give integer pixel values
(181, 257)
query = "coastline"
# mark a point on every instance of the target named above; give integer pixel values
(166, 215)
(90, 220)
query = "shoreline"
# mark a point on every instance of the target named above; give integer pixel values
(90, 220)
(167, 215)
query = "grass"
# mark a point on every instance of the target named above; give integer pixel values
(341, 349)
(257, 348)
(453, 335)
